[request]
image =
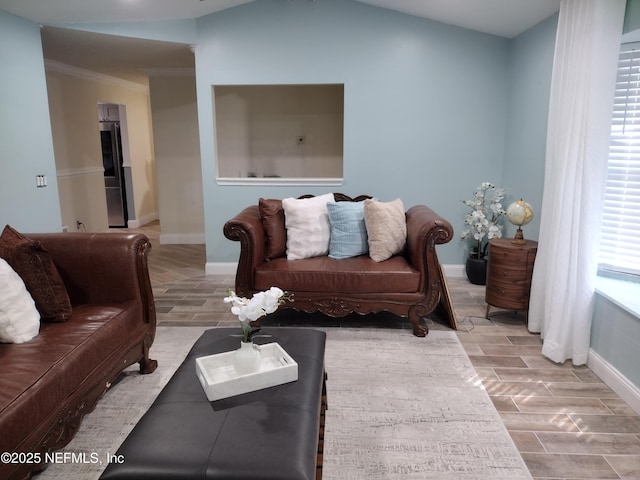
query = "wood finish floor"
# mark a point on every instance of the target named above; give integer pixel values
(565, 421)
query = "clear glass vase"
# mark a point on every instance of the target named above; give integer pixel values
(247, 358)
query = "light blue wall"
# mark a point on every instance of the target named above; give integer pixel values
(615, 336)
(425, 103)
(530, 66)
(430, 110)
(25, 131)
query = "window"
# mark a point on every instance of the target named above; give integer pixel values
(620, 240)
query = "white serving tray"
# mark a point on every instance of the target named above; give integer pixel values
(220, 380)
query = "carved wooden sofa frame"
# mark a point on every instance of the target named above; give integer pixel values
(425, 230)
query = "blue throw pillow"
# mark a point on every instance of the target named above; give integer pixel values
(348, 230)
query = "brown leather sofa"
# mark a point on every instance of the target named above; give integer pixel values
(410, 284)
(50, 382)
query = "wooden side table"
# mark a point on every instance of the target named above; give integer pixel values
(509, 272)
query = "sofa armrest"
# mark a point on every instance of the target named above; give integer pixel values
(103, 268)
(246, 228)
(425, 230)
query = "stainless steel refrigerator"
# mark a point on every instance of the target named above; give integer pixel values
(113, 173)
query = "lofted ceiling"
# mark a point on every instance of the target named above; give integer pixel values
(506, 18)
(127, 58)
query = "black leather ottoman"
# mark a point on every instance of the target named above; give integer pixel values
(275, 433)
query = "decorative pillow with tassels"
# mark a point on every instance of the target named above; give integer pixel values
(35, 266)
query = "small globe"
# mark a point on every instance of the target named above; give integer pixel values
(519, 213)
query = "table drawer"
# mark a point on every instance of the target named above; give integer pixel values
(499, 273)
(507, 296)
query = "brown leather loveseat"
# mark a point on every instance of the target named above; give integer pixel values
(409, 284)
(47, 384)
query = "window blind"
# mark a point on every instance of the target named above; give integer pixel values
(620, 235)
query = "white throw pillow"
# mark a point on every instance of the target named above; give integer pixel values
(307, 224)
(19, 319)
(386, 228)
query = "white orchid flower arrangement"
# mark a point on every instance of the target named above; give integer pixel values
(483, 222)
(259, 305)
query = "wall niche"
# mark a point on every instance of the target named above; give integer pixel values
(279, 133)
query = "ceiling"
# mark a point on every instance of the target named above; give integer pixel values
(127, 58)
(506, 18)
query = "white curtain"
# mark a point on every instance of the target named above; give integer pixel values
(580, 109)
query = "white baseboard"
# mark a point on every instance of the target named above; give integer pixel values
(615, 380)
(143, 220)
(220, 268)
(182, 238)
(454, 271)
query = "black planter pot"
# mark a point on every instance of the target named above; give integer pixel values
(476, 269)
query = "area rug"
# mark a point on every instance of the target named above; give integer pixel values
(403, 407)
(400, 407)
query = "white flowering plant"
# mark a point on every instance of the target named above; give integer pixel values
(483, 221)
(259, 305)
